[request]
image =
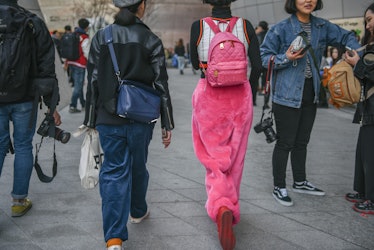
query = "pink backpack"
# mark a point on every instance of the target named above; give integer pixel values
(227, 59)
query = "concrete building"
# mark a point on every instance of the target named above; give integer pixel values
(171, 19)
(346, 13)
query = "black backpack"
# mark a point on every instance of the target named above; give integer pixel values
(16, 53)
(69, 46)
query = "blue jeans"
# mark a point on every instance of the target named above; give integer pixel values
(19, 114)
(123, 175)
(181, 61)
(77, 75)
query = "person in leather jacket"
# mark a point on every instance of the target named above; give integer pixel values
(363, 182)
(124, 177)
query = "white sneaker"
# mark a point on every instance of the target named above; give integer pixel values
(306, 187)
(138, 220)
(115, 247)
(281, 195)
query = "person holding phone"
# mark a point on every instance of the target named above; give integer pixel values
(295, 88)
(363, 183)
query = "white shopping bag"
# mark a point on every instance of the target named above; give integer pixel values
(91, 159)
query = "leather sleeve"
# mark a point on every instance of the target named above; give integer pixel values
(161, 84)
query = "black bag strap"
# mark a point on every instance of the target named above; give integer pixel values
(42, 177)
(311, 50)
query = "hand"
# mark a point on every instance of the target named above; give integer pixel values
(57, 118)
(166, 137)
(66, 65)
(292, 56)
(351, 57)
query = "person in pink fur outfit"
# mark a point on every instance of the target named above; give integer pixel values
(221, 121)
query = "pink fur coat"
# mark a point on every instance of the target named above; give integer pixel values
(221, 122)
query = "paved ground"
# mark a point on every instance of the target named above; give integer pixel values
(66, 216)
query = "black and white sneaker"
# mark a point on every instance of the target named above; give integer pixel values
(306, 187)
(281, 195)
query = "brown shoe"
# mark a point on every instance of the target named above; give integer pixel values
(225, 231)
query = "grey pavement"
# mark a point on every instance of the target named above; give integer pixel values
(66, 216)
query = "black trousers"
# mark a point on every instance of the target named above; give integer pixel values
(364, 165)
(294, 126)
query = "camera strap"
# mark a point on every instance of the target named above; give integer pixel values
(42, 177)
(268, 79)
(269, 74)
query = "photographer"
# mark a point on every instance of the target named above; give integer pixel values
(296, 86)
(17, 107)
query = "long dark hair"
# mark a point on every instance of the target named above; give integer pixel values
(290, 6)
(340, 54)
(367, 36)
(126, 15)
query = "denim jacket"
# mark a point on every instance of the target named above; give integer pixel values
(288, 76)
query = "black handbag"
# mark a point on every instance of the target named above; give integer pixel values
(136, 101)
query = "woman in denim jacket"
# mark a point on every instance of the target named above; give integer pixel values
(364, 165)
(296, 86)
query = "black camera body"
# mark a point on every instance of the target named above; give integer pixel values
(59, 134)
(266, 126)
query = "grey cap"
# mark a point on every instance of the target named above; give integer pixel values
(125, 3)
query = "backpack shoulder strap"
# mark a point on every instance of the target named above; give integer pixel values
(212, 25)
(232, 23)
(215, 27)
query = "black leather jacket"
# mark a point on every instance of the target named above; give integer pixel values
(365, 110)
(140, 56)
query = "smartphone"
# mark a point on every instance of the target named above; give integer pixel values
(349, 50)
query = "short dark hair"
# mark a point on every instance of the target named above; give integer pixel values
(218, 2)
(83, 23)
(290, 6)
(67, 28)
(264, 25)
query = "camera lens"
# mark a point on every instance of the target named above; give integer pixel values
(62, 135)
(270, 135)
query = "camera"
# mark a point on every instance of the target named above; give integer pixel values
(266, 126)
(60, 135)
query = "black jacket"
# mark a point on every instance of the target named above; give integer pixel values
(44, 55)
(179, 50)
(365, 110)
(141, 58)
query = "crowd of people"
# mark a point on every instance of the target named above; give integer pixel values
(75, 67)
(221, 117)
